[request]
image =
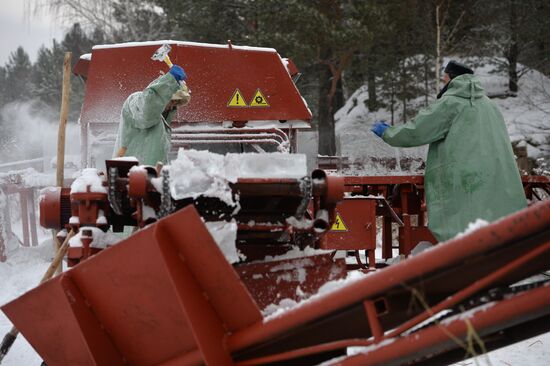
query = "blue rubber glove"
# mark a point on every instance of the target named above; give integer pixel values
(379, 128)
(178, 73)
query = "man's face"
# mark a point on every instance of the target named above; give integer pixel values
(446, 78)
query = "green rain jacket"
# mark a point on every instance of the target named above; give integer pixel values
(143, 130)
(470, 171)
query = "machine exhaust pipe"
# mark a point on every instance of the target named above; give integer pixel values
(321, 222)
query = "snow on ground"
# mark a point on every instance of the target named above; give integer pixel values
(20, 273)
(530, 352)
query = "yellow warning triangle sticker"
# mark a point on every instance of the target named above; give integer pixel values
(237, 100)
(259, 100)
(338, 224)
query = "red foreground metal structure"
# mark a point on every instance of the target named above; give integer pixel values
(167, 295)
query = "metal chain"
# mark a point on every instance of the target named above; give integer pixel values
(166, 206)
(114, 199)
(305, 188)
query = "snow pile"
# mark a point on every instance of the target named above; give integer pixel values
(269, 165)
(201, 173)
(89, 178)
(225, 235)
(100, 240)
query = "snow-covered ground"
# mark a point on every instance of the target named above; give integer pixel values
(22, 272)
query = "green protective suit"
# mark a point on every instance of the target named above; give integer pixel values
(143, 130)
(470, 171)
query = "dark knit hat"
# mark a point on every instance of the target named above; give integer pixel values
(455, 69)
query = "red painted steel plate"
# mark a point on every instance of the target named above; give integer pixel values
(136, 300)
(355, 226)
(215, 73)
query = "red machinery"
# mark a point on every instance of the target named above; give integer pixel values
(168, 296)
(268, 209)
(216, 74)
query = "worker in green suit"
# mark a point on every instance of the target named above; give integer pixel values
(144, 131)
(470, 170)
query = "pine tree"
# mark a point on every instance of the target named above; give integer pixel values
(512, 34)
(18, 77)
(78, 43)
(48, 70)
(48, 75)
(323, 35)
(3, 86)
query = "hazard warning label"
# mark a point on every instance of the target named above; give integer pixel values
(237, 100)
(259, 100)
(338, 224)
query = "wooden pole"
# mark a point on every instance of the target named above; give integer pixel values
(63, 115)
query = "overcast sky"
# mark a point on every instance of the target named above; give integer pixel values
(29, 32)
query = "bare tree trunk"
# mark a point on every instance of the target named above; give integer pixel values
(404, 89)
(392, 101)
(426, 81)
(513, 51)
(338, 101)
(327, 136)
(329, 80)
(371, 83)
(437, 47)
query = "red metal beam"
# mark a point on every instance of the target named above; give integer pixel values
(419, 179)
(436, 339)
